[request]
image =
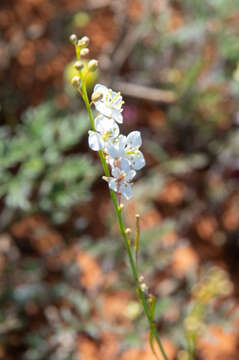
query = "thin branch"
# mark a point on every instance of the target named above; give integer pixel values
(144, 92)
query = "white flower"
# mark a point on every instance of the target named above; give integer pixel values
(115, 148)
(132, 152)
(120, 181)
(121, 152)
(110, 104)
(106, 129)
(127, 148)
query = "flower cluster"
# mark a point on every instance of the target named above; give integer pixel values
(122, 152)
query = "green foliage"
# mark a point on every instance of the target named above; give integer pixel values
(37, 172)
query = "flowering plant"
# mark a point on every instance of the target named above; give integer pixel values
(120, 157)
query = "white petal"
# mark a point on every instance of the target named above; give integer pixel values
(113, 185)
(103, 108)
(115, 148)
(126, 191)
(134, 139)
(112, 149)
(115, 129)
(95, 141)
(130, 175)
(110, 160)
(101, 89)
(117, 100)
(122, 142)
(138, 161)
(116, 172)
(125, 166)
(105, 125)
(117, 116)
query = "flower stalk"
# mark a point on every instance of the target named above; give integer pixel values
(137, 163)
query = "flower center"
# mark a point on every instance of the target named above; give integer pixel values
(121, 177)
(106, 135)
(132, 152)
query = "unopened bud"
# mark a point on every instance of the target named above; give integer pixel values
(76, 82)
(84, 52)
(73, 39)
(92, 65)
(106, 178)
(144, 287)
(121, 206)
(141, 278)
(96, 96)
(84, 41)
(79, 65)
(137, 216)
(128, 231)
(151, 298)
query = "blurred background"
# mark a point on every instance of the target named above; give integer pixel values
(66, 292)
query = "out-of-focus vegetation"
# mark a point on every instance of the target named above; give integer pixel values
(37, 174)
(66, 292)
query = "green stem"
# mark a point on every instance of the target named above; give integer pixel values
(118, 213)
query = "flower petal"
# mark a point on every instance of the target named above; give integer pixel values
(99, 88)
(105, 125)
(138, 161)
(113, 185)
(103, 108)
(117, 116)
(95, 141)
(126, 191)
(116, 172)
(125, 166)
(112, 149)
(130, 175)
(134, 139)
(122, 142)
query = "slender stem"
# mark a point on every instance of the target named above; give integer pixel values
(122, 230)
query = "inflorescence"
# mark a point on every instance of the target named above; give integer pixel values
(122, 152)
